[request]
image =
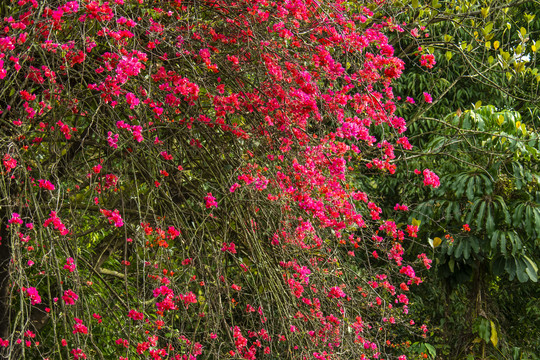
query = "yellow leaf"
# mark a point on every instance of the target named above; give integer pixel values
(518, 124)
(478, 104)
(500, 120)
(448, 55)
(496, 44)
(494, 339)
(488, 45)
(416, 222)
(523, 129)
(485, 12)
(437, 241)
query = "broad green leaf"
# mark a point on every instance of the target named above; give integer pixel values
(531, 269)
(431, 349)
(451, 264)
(521, 270)
(466, 251)
(458, 250)
(490, 221)
(480, 217)
(470, 188)
(503, 243)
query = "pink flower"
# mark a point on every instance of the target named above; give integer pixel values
(431, 179)
(336, 292)
(70, 297)
(412, 230)
(57, 223)
(135, 315)
(428, 98)
(113, 216)
(428, 60)
(70, 265)
(97, 317)
(292, 328)
(15, 219)
(229, 247)
(9, 163)
(132, 100)
(79, 328)
(33, 294)
(210, 201)
(45, 184)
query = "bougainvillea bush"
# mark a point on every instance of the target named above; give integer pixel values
(176, 181)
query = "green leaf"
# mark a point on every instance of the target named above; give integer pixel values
(531, 269)
(521, 268)
(503, 243)
(458, 250)
(494, 239)
(475, 245)
(470, 189)
(466, 251)
(510, 267)
(490, 221)
(480, 216)
(483, 329)
(431, 350)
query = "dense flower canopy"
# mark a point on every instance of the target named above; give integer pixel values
(178, 181)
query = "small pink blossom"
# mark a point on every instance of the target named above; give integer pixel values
(210, 201)
(33, 294)
(70, 297)
(45, 184)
